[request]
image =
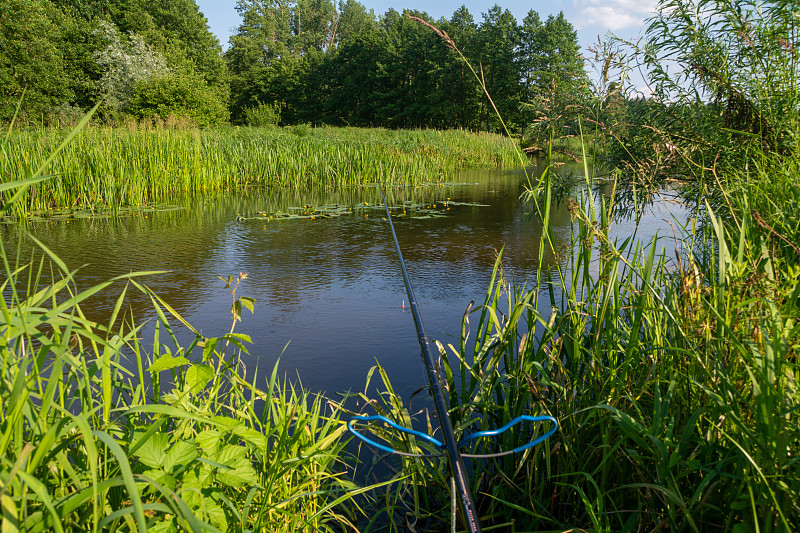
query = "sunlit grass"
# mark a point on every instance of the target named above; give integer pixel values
(673, 377)
(106, 168)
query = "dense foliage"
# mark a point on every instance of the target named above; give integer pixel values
(306, 61)
(106, 169)
(138, 57)
(320, 64)
(723, 80)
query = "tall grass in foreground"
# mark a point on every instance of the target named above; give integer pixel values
(97, 434)
(106, 168)
(674, 379)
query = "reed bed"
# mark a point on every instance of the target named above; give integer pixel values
(105, 168)
(671, 365)
(102, 432)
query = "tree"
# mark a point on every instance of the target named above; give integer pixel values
(180, 95)
(31, 58)
(353, 18)
(125, 61)
(357, 80)
(498, 38)
(559, 58)
(552, 74)
(313, 25)
(463, 92)
(181, 33)
(530, 55)
(261, 41)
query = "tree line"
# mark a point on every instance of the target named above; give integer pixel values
(301, 61)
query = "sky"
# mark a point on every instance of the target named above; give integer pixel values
(592, 18)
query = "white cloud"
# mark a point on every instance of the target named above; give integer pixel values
(613, 15)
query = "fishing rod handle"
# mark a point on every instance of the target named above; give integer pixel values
(514, 422)
(396, 426)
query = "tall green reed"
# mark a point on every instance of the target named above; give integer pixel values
(98, 434)
(102, 432)
(106, 168)
(673, 377)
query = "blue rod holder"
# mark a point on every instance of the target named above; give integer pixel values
(438, 444)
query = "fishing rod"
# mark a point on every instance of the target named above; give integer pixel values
(450, 445)
(456, 463)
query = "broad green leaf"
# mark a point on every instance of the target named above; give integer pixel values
(209, 441)
(161, 477)
(152, 452)
(179, 454)
(165, 526)
(198, 376)
(215, 514)
(167, 361)
(252, 437)
(240, 469)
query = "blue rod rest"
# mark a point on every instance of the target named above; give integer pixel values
(523, 418)
(398, 427)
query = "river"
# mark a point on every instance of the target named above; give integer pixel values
(329, 296)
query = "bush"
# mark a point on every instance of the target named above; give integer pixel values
(180, 95)
(263, 115)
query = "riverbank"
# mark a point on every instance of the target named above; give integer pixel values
(671, 365)
(105, 169)
(672, 377)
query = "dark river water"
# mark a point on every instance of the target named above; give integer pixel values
(329, 291)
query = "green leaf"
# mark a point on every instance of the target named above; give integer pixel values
(181, 453)
(167, 361)
(226, 421)
(215, 514)
(248, 303)
(151, 453)
(240, 469)
(166, 526)
(209, 441)
(10, 516)
(159, 476)
(198, 376)
(252, 437)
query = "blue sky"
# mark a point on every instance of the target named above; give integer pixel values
(592, 18)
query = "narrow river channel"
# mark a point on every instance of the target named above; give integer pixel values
(329, 293)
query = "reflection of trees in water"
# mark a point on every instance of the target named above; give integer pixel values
(102, 248)
(289, 261)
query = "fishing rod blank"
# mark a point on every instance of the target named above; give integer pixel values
(456, 463)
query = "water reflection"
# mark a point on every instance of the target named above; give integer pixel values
(331, 289)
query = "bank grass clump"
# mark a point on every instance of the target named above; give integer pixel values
(109, 168)
(102, 432)
(671, 366)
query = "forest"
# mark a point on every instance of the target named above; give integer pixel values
(305, 62)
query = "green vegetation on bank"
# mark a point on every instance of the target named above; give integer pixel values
(107, 168)
(289, 62)
(101, 431)
(672, 365)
